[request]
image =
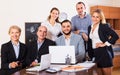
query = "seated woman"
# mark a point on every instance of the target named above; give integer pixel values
(13, 53)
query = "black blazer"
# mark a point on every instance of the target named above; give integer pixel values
(8, 55)
(33, 51)
(106, 34)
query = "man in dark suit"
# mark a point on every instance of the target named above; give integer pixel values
(38, 47)
(13, 53)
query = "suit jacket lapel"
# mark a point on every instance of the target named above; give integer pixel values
(100, 33)
(35, 45)
(63, 40)
(20, 51)
(71, 39)
(44, 43)
(12, 50)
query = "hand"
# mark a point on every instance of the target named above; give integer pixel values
(100, 45)
(77, 31)
(19, 63)
(33, 63)
(13, 64)
(85, 37)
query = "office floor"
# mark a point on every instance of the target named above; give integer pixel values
(115, 71)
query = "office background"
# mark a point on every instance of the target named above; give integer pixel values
(17, 12)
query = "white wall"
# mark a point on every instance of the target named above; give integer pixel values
(116, 3)
(20, 11)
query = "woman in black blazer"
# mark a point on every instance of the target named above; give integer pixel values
(13, 53)
(101, 37)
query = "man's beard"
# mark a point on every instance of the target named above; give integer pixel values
(67, 33)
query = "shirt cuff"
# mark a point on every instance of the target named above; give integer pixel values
(107, 43)
(9, 66)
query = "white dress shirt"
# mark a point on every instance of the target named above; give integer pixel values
(16, 49)
(53, 31)
(67, 41)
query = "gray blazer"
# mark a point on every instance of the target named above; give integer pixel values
(77, 41)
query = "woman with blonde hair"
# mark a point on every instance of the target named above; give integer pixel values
(52, 24)
(13, 53)
(101, 39)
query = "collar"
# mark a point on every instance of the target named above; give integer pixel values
(93, 24)
(70, 35)
(38, 42)
(85, 15)
(15, 44)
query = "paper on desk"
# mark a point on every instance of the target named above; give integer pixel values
(76, 67)
(73, 68)
(86, 64)
(36, 68)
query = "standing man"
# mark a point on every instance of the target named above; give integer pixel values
(81, 22)
(69, 38)
(38, 47)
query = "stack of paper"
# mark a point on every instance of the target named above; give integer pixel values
(73, 68)
(78, 67)
(86, 64)
(36, 68)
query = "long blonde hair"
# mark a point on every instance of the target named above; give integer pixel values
(100, 12)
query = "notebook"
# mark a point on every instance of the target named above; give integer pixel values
(60, 53)
(44, 64)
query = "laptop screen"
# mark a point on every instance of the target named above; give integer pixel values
(45, 61)
(44, 64)
(60, 53)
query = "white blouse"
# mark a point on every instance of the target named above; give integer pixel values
(95, 37)
(53, 31)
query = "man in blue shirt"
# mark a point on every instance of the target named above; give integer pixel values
(81, 21)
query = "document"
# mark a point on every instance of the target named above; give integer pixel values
(36, 68)
(86, 64)
(73, 68)
(78, 67)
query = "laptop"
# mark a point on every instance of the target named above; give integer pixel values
(60, 53)
(44, 64)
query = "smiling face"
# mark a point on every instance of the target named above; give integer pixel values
(66, 28)
(14, 33)
(80, 9)
(42, 33)
(96, 18)
(54, 14)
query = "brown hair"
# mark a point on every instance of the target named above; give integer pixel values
(100, 12)
(54, 8)
(81, 3)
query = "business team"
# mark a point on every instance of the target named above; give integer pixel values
(16, 55)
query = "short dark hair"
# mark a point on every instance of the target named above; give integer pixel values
(81, 3)
(66, 21)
